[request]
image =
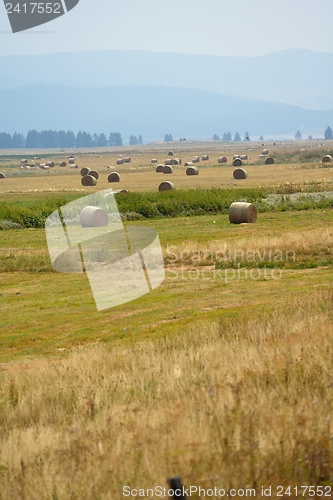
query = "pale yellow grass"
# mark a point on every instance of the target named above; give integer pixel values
(293, 245)
(235, 404)
(140, 175)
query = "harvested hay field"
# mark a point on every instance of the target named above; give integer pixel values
(222, 374)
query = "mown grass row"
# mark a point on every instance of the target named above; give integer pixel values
(150, 205)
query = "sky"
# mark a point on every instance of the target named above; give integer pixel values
(216, 27)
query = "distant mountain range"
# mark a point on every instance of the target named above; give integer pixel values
(151, 111)
(194, 96)
(298, 77)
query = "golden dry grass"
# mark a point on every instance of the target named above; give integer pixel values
(234, 404)
(228, 384)
(293, 245)
(140, 175)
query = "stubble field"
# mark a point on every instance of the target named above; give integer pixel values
(222, 375)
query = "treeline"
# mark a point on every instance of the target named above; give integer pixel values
(58, 139)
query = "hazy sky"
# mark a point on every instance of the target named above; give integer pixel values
(217, 27)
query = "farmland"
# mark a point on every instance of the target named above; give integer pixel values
(222, 375)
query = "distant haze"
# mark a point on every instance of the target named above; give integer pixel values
(297, 77)
(152, 111)
(149, 94)
(216, 27)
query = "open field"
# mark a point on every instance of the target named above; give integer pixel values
(222, 375)
(292, 165)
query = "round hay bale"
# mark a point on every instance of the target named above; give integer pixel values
(240, 173)
(88, 180)
(75, 166)
(188, 163)
(237, 162)
(62, 164)
(195, 159)
(94, 173)
(24, 160)
(169, 161)
(2, 176)
(222, 159)
(177, 161)
(71, 160)
(240, 212)
(167, 169)
(205, 157)
(327, 159)
(153, 160)
(127, 159)
(166, 186)
(192, 171)
(235, 156)
(114, 177)
(159, 168)
(84, 171)
(264, 152)
(170, 153)
(120, 161)
(269, 161)
(50, 164)
(244, 157)
(93, 217)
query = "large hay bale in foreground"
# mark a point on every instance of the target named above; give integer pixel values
(159, 168)
(240, 173)
(93, 217)
(166, 186)
(222, 159)
(114, 177)
(84, 171)
(88, 180)
(269, 161)
(237, 162)
(327, 159)
(94, 174)
(192, 171)
(2, 176)
(240, 212)
(167, 169)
